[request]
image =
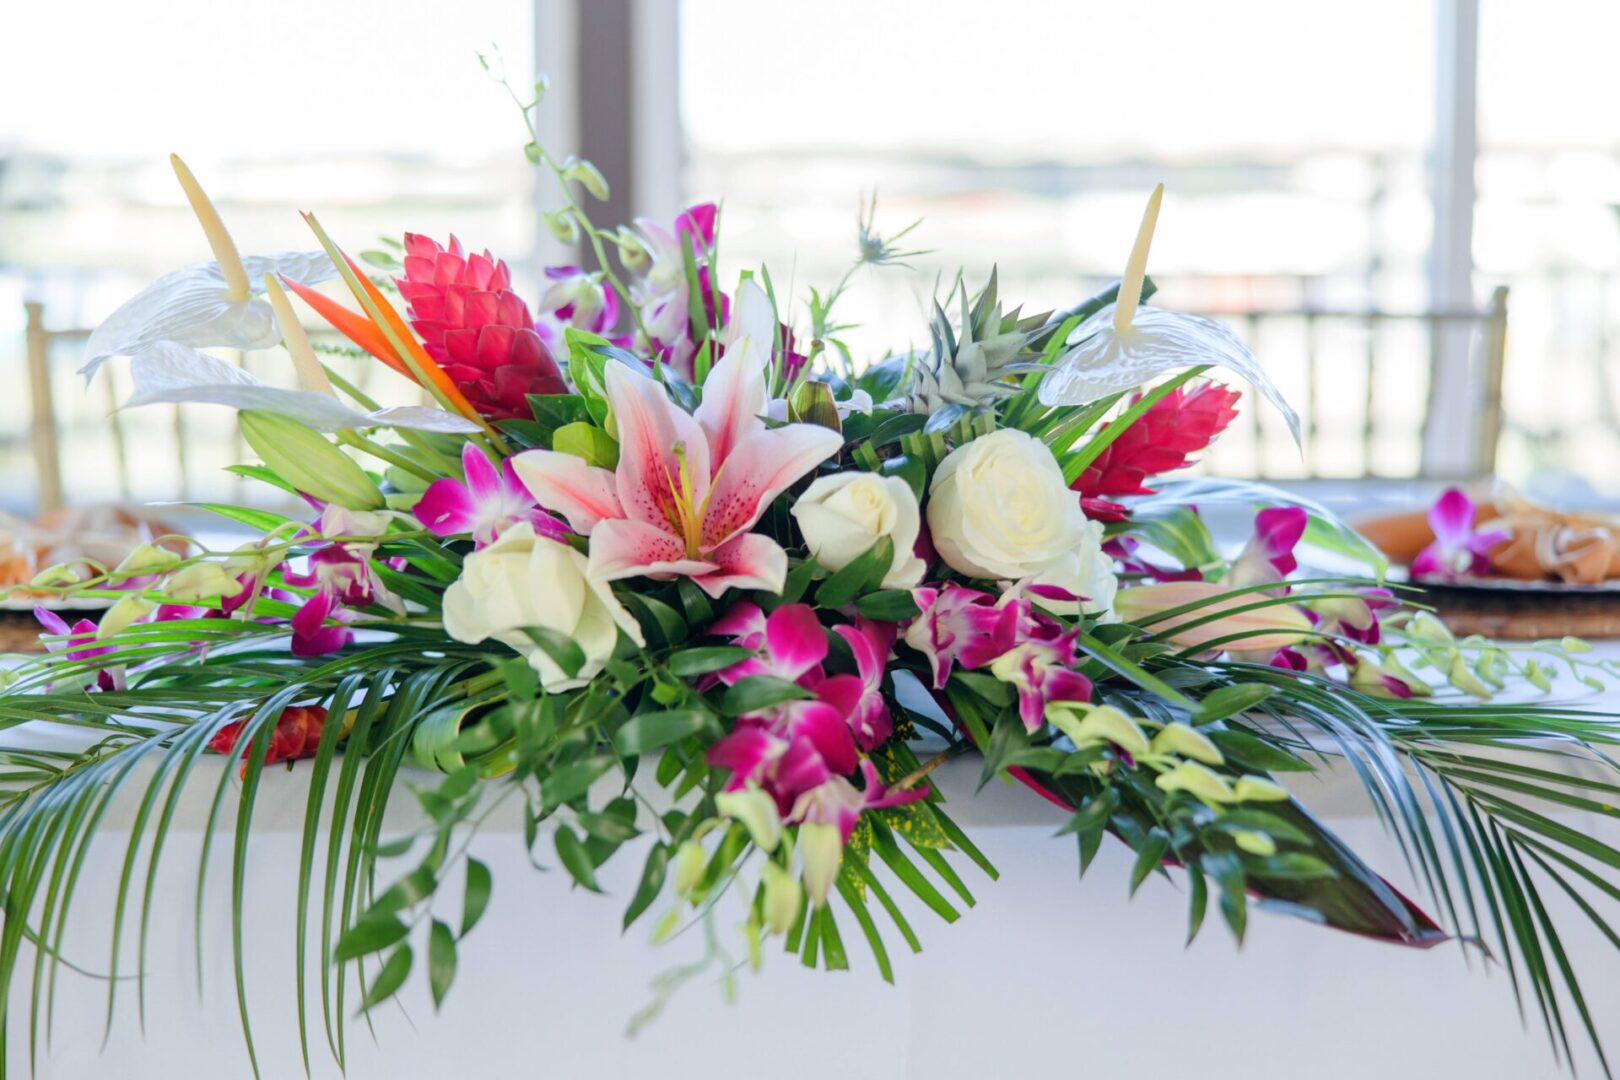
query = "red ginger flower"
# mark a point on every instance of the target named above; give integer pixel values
(476, 327)
(1161, 440)
(297, 735)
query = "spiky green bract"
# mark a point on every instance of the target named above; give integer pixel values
(970, 365)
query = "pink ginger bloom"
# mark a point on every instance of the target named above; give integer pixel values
(1457, 551)
(80, 644)
(485, 504)
(476, 327)
(688, 489)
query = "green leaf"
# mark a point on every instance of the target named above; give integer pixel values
(371, 934)
(755, 693)
(864, 572)
(587, 442)
(562, 649)
(888, 605)
(1179, 532)
(649, 731)
(689, 663)
(475, 898)
(441, 961)
(570, 782)
(1252, 752)
(1148, 857)
(652, 882)
(389, 979)
(571, 852)
(1230, 701)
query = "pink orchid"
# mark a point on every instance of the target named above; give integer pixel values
(860, 696)
(961, 626)
(1457, 550)
(663, 294)
(1041, 672)
(688, 488)
(488, 502)
(343, 577)
(839, 802)
(79, 645)
(1268, 557)
(794, 748)
(574, 299)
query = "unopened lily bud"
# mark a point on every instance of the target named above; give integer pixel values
(690, 859)
(813, 403)
(1198, 780)
(1187, 742)
(1258, 789)
(783, 897)
(309, 461)
(1255, 843)
(588, 176)
(201, 581)
(1262, 629)
(129, 609)
(1090, 725)
(147, 559)
(756, 810)
(823, 851)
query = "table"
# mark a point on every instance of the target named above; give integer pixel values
(1047, 973)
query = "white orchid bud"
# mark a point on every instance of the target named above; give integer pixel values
(201, 581)
(1198, 780)
(129, 609)
(1185, 741)
(147, 559)
(1258, 789)
(689, 861)
(823, 851)
(783, 898)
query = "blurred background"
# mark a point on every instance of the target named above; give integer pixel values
(1411, 209)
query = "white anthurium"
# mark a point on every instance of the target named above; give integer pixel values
(216, 304)
(1126, 344)
(168, 372)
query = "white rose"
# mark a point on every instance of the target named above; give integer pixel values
(998, 509)
(527, 580)
(843, 515)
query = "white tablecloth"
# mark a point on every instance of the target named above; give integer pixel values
(1046, 973)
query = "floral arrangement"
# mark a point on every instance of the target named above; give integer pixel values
(665, 564)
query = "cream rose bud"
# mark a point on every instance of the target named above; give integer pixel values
(843, 515)
(524, 580)
(998, 509)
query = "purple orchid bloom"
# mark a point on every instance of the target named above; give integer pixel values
(1041, 672)
(1268, 557)
(791, 642)
(839, 802)
(487, 503)
(959, 626)
(1123, 549)
(311, 636)
(574, 299)
(79, 645)
(1457, 551)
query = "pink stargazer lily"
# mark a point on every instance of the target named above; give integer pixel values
(1457, 550)
(688, 488)
(488, 502)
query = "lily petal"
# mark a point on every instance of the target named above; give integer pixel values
(654, 438)
(583, 494)
(759, 469)
(749, 561)
(622, 548)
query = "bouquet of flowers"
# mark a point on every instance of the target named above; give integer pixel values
(668, 566)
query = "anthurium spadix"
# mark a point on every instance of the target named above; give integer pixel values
(220, 303)
(1126, 344)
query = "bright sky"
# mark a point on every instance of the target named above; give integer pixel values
(282, 79)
